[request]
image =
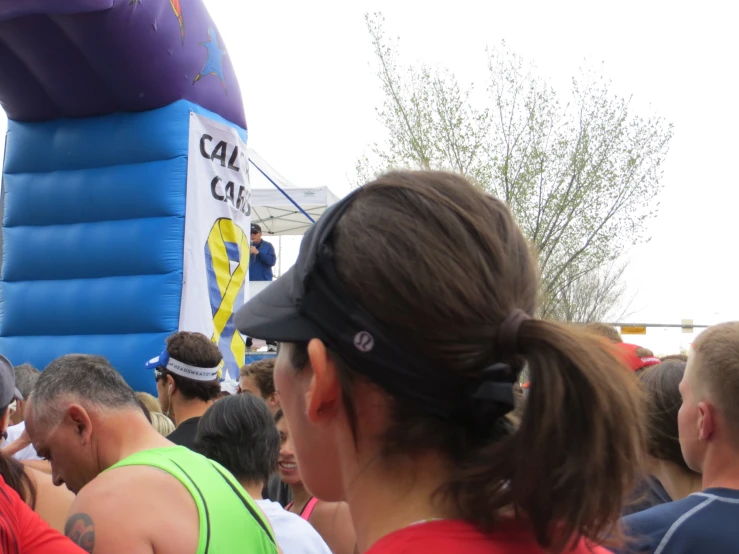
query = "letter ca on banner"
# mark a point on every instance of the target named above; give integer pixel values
(227, 264)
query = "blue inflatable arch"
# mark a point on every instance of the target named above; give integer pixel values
(98, 95)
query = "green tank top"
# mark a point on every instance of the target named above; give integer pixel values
(230, 521)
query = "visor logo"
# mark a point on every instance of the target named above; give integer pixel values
(363, 341)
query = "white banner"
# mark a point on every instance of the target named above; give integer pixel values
(217, 227)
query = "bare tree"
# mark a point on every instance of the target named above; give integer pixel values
(597, 296)
(580, 177)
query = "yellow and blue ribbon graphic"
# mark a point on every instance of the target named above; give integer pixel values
(227, 264)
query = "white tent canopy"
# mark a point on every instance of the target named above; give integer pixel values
(279, 207)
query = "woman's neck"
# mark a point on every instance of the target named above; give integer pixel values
(386, 499)
(300, 497)
(677, 481)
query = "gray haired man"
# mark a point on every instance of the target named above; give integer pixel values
(18, 443)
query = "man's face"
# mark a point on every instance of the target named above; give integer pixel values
(256, 237)
(247, 385)
(690, 417)
(162, 394)
(67, 445)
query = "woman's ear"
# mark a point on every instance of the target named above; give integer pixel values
(324, 393)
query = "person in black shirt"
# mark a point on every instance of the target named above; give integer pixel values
(648, 492)
(187, 375)
(670, 477)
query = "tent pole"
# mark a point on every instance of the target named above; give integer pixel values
(279, 256)
(294, 203)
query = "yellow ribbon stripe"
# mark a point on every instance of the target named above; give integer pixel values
(223, 235)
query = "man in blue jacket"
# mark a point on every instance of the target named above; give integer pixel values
(263, 256)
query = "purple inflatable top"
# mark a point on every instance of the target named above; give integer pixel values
(81, 58)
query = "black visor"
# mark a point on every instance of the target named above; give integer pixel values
(310, 301)
(275, 313)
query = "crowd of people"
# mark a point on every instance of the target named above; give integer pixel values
(416, 404)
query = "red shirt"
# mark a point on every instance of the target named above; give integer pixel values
(22, 531)
(445, 536)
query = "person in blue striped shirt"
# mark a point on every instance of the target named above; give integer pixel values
(708, 424)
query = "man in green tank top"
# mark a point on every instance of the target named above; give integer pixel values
(136, 492)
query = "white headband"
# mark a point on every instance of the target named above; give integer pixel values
(189, 371)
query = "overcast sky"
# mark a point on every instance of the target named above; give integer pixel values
(310, 92)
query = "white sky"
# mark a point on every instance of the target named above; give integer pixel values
(310, 91)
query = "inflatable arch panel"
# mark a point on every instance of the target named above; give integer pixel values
(99, 94)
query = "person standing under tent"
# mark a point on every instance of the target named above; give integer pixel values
(261, 261)
(262, 258)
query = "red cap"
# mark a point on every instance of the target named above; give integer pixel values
(627, 353)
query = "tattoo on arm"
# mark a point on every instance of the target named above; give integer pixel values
(81, 530)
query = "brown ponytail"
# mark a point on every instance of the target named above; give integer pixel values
(579, 443)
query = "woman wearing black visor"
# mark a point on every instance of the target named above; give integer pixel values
(403, 327)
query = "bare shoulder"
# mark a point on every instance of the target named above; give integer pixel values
(131, 481)
(52, 502)
(113, 513)
(330, 512)
(333, 521)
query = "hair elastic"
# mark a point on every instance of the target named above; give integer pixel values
(508, 334)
